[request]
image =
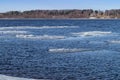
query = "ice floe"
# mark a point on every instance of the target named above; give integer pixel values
(115, 41)
(67, 50)
(12, 32)
(40, 36)
(41, 27)
(91, 33)
(3, 77)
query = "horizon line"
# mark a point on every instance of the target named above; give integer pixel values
(57, 9)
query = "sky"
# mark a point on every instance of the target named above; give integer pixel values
(22, 5)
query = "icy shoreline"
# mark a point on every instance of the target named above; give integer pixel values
(3, 77)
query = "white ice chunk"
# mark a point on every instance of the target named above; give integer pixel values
(3, 77)
(66, 50)
(91, 33)
(40, 37)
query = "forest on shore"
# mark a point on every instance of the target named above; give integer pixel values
(86, 13)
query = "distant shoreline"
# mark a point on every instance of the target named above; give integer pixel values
(62, 14)
(56, 19)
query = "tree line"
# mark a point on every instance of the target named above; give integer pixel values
(86, 13)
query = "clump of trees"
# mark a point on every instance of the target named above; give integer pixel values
(86, 13)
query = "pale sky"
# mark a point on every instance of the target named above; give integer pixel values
(21, 5)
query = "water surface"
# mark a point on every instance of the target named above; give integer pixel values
(60, 49)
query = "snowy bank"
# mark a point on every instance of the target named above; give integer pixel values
(3, 77)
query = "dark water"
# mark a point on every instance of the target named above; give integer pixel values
(60, 49)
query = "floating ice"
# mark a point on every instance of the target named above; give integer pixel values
(3, 77)
(42, 27)
(64, 50)
(91, 33)
(12, 32)
(114, 41)
(40, 37)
